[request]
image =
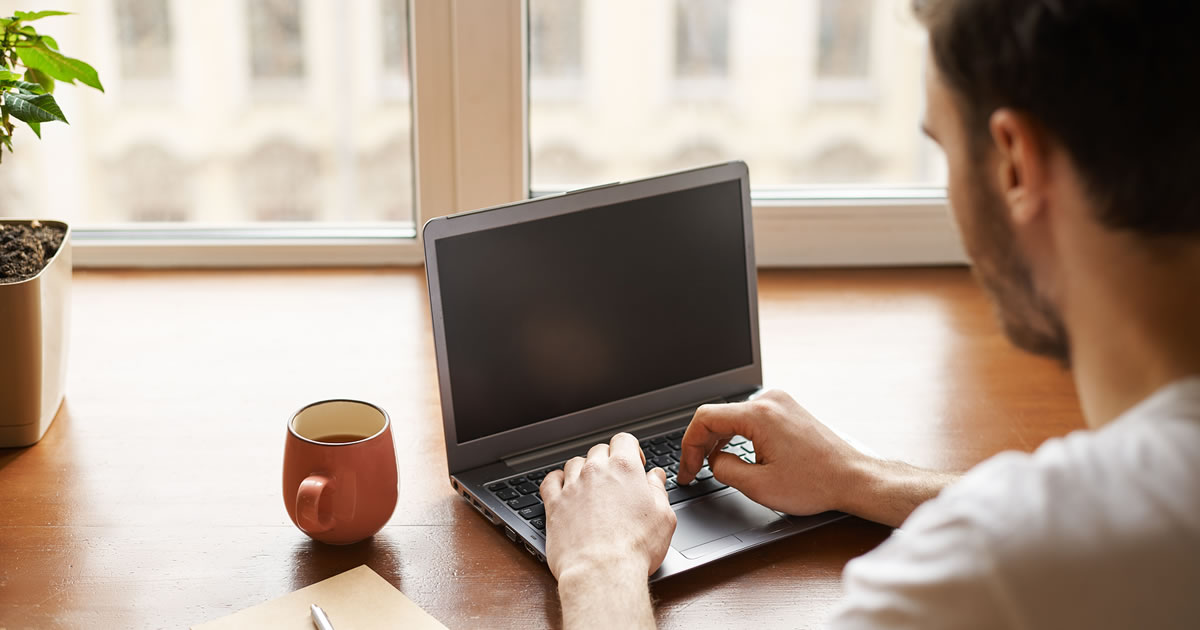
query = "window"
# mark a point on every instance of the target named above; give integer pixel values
(276, 39)
(556, 50)
(144, 38)
(824, 93)
(844, 39)
(701, 38)
(214, 117)
(393, 28)
(305, 131)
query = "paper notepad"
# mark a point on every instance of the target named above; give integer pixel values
(355, 600)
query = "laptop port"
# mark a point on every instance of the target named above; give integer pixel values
(512, 535)
(533, 552)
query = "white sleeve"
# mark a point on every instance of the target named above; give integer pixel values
(937, 572)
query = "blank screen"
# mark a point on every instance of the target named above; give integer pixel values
(558, 315)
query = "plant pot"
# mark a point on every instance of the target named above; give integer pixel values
(34, 319)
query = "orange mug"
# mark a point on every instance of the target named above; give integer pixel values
(339, 471)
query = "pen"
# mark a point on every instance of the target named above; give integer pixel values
(320, 619)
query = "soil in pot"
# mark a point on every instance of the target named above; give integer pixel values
(26, 248)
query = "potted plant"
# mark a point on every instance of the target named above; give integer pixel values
(35, 256)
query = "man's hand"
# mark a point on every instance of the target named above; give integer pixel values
(608, 527)
(802, 467)
(607, 508)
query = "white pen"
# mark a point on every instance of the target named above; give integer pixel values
(320, 619)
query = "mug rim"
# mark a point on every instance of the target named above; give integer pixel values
(387, 422)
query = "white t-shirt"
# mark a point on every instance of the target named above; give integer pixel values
(1100, 529)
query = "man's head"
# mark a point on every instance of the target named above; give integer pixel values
(1048, 107)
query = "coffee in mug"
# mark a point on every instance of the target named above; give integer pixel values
(340, 482)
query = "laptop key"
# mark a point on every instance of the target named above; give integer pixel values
(675, 436)
(523, 502)
(527, 488)
(539, 523)
(645, 444)
(660, 449)
(659, 440)
(671, 485)
(704, 473)
(649, 465)
(663, 461)
(532, 511)
(506, 494)
(498, 486)
(516, 482)
(700, 488)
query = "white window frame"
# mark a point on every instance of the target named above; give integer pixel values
(470, 150)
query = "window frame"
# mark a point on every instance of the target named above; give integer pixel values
(469, 69)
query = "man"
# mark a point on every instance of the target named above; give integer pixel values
(1071, 135)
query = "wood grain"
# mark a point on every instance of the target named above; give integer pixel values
(155, 501)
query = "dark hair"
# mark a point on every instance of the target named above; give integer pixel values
(1116, 82)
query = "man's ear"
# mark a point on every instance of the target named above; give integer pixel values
(1021, 164)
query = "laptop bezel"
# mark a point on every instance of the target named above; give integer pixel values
(489, 449)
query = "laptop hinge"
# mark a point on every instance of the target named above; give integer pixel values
(559, 450)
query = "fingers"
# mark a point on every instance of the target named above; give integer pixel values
(551, 486)
(657, 477)
(711, 425)
(571, 469)
(598, 451)
(730, 470)
(626, 444)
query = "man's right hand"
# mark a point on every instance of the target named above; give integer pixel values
(802, 467)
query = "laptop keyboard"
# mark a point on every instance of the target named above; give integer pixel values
(521, 493)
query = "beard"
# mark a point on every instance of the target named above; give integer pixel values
(1030, 320)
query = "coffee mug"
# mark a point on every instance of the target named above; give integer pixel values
(339, 471)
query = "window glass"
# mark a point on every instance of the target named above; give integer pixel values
(820, 93)
(224, 114)
(143, 38)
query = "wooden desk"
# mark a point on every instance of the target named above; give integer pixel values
(154, 500)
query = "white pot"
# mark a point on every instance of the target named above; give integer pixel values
(34, 323)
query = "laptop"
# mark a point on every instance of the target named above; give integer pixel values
(562, 320)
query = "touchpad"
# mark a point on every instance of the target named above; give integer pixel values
(705, 521)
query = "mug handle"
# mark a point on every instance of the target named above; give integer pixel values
(308, 504)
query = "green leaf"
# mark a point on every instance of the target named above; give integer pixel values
(39, 108)
(59, 66)
(29, 16)
(36, 127)
(6, 75)
(30, 88)
(41, 78)
(50, 41)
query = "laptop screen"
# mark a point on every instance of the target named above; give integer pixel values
(561, 314)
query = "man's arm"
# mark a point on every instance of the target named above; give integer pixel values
(614, 594)
(608, 527)
(802, 467)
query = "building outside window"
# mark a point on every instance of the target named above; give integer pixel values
(701, 38)
(144, 38)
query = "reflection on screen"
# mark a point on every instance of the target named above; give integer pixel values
(558, 315)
